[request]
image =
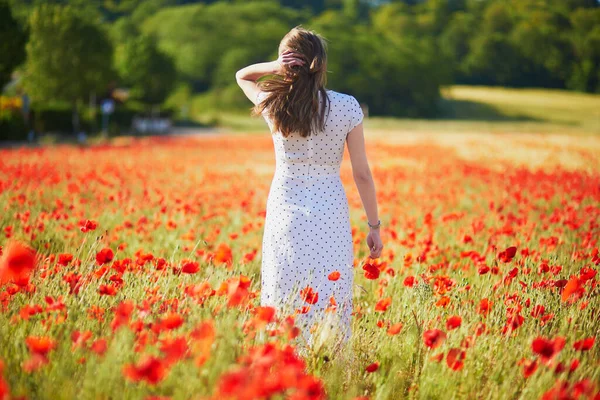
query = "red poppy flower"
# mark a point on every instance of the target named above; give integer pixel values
(453, 322)
(174, 349)
(334, 276)
(508, 254)
(484, 307)
(383, 304)
(308, 295)
(455, 358)
(574, 365)
(395, 329)
(529, 366)
(409, 281)
(40, 345)
(371, 271)
(149, 368)
(443, 301)
(573, 290)
(190, 267)
(547, 348)
(122, 314)
(236, 289)
(171, 321)
(224, 255)
(107, 290)
(538, 310)
(4, 389)
(483, 269)
(584, 344)
(87, 225)
(266, 313)
(17, 263)
(587, 273)
(64, 259)
(104, 256)
(372, 367)
(80, 338)
(433, 338)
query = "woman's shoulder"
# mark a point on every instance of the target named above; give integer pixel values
(341, 98)
(339, 95)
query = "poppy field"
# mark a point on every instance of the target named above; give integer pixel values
(131, 270)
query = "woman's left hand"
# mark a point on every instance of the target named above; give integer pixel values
(374, 242)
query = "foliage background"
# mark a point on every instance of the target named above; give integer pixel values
(394, 56)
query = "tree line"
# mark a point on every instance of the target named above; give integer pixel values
(392, 55)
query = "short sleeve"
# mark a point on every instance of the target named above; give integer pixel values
(260, 96)
(356, 113)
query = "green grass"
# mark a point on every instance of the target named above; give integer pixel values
(534, 105)
(472, 109)
(154, 196)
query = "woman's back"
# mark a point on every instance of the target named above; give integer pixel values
(307, 235)
(322, 153)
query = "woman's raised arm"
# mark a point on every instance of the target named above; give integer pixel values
(246, 77)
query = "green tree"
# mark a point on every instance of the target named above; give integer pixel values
(380, 65)
(106, 10)
(454, 42)
(585, 74)
(540, 38)
(493, 59)
(69, 56)
(24, 8)
(342, 59)
(198, 36)
(316, 6)
(435, 15)
(356, 9)
(232, 61)
(573, 4)
(149, 73)
(123, 30)
(12, 43)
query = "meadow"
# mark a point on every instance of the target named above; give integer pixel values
(463, 109)
(130, 268)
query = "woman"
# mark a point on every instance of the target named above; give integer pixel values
(307, 238)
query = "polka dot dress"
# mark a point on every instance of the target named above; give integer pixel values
(307, 236)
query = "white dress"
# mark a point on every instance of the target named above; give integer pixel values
(307, 234)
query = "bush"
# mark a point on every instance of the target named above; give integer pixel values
(56, 120)
(12, 127)
(59, 118)
(119, 120)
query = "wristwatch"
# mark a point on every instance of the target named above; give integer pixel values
(374, 226)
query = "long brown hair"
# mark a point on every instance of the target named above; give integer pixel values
(292, 100)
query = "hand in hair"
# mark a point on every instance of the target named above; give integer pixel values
(288, 58)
